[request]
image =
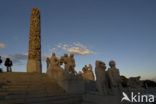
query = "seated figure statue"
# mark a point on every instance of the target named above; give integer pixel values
(88, 73)
(85, 69)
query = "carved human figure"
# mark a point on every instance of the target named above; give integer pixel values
(85, 69)
(64, 60)
(34, 53)
(101, 77)
(90, 67)
(54, 61)
(71, 63)
(114, 78)
(114, 74)
(48, 62)
(91, 71)
(87, 72)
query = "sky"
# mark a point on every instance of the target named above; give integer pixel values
(120, 30)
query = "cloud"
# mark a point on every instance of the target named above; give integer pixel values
(2, 45)
(18, 58)
(75, 48)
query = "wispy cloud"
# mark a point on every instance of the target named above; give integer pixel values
(18, 58)
(2, 45)
(76, 48)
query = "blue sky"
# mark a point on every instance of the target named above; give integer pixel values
(122, 30)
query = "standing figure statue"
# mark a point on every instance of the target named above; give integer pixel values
(114, 74)
(71, 62)
(48, 62)
(91, 71)
(8, 64)
(54, 61)
(64, 60)
(100, 71)
(114, 78)
(90, 67)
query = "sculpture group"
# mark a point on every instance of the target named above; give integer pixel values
(55, 63)
(106, 82)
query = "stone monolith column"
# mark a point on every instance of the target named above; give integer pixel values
(34, 54)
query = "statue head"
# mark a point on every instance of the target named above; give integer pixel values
(53, 54)
(48, 58)
(100, 64)
(112, 64)
(90, 65)
(85, 69)
(71, 55)
(65, 55)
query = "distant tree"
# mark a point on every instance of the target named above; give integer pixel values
(149, 83)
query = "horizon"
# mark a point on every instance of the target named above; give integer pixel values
(92, 30)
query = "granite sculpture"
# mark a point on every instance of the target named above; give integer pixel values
(34, 53)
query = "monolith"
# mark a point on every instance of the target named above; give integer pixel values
(34, 53)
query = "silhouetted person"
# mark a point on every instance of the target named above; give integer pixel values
(0, 60)
(8, 64)
(0, 64)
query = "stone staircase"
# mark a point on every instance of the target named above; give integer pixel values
(33, 88)
(95, 98)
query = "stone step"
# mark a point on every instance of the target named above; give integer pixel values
(29, 90)
(33, 93)
(65, 101)
(28, 86)
(53, 99)
(87, 102)
(28, 81)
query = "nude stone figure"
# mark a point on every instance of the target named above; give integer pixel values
(101, 77)
(85, 69)
(54, 61)
(64, 59)
(71, 63)
(88, 73)
(48, 62)
(114, 78)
